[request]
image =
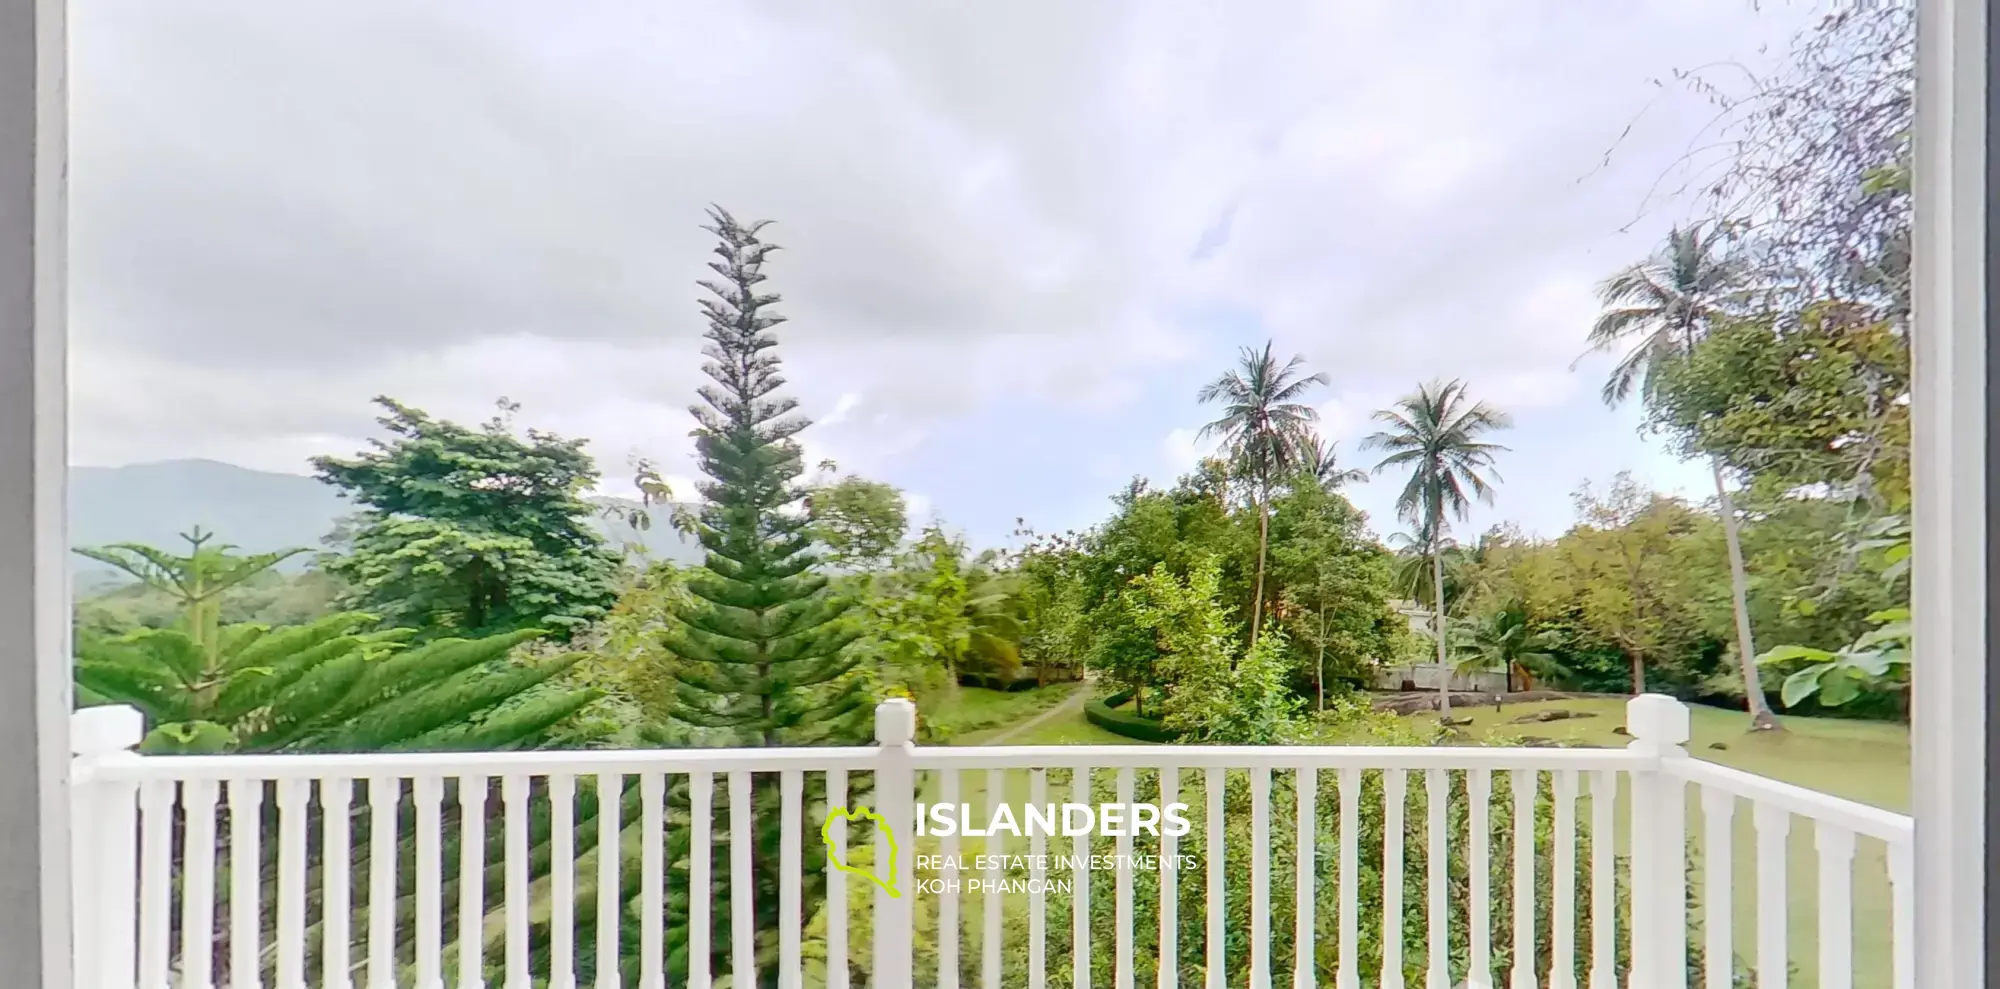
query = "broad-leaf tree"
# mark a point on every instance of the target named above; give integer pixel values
(1264, 429)
(860, 522)
(1435, 434)
(470, 531)
(1658, 310)
(1624, 573)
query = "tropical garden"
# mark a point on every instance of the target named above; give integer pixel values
(470, 604)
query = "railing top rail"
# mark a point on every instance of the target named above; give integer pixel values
(858, 758)
(494, 764)
(1850, 814)
(1274, 757)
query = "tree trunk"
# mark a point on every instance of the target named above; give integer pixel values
(1319, 672)
(1739, 602)
(1263, 538)
(1437, 620)
(1638, 674)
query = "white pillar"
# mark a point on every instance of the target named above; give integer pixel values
(1659, 728)
(895, 800)
(34, 610)
(104, 847)
(1952, 694)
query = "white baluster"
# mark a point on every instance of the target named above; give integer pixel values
(1437, 932)
(742, 885)
(385, 794)
(1525, 783)
(336, 796)
(950, 928)
(1349, 976)
(1562, 939)
(198, 885)
(1773, 828)
(514, 791)
(292, 798)
(1038, 930)
(1260, 877)
(1303, 975)
(701, 885)
(246, 831)
(1394, 782)
(428, 794)
(1170, 792)
(562, 881)
(156, 802)
(1902, 933)
(1218, 894)
(791, 875)
(1080, 916)
(1603, 877)
(1122, 908)
(652, 880)
(1836, 905)
(1718, 808)
(836, 888)
(1479, 832)
(610, 881)
(471, 882)
(996, 846)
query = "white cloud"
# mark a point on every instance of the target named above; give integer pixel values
(1183, 449)
(506, 200)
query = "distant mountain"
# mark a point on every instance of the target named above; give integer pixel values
(256, 511)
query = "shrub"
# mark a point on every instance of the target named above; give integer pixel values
(1103, 714)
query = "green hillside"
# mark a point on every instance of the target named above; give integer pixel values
(258, 511)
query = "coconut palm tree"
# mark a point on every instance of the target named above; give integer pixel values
(1658, 309)
(1263, 429)
(1410, 571)
(1435, 435)
(1318, 461)
(1504, 641)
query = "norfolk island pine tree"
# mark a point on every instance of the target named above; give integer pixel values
(763, 644)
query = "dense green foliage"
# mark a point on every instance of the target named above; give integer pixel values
(471, 530)
(328, 685)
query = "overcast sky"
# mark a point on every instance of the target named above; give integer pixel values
(1017, 237)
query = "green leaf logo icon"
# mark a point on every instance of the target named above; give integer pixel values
(842, 814)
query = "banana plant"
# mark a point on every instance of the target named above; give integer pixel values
(1878, 659)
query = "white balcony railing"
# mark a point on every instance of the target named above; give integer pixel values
(266, 870)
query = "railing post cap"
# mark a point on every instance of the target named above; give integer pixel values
(105, 729)
(1657, 719)
(896, 721)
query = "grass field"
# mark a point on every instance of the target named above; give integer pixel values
(1863, 761)
(959, 712)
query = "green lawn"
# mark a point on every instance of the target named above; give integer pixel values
(1860, 760)
(1863, 761)
(960, 712)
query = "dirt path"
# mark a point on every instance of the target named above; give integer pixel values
(1068, 705)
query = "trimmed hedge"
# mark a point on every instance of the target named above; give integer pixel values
(986, 682)
(1104, 714)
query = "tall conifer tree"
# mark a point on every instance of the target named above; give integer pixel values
(764, 651)
(762, 647)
